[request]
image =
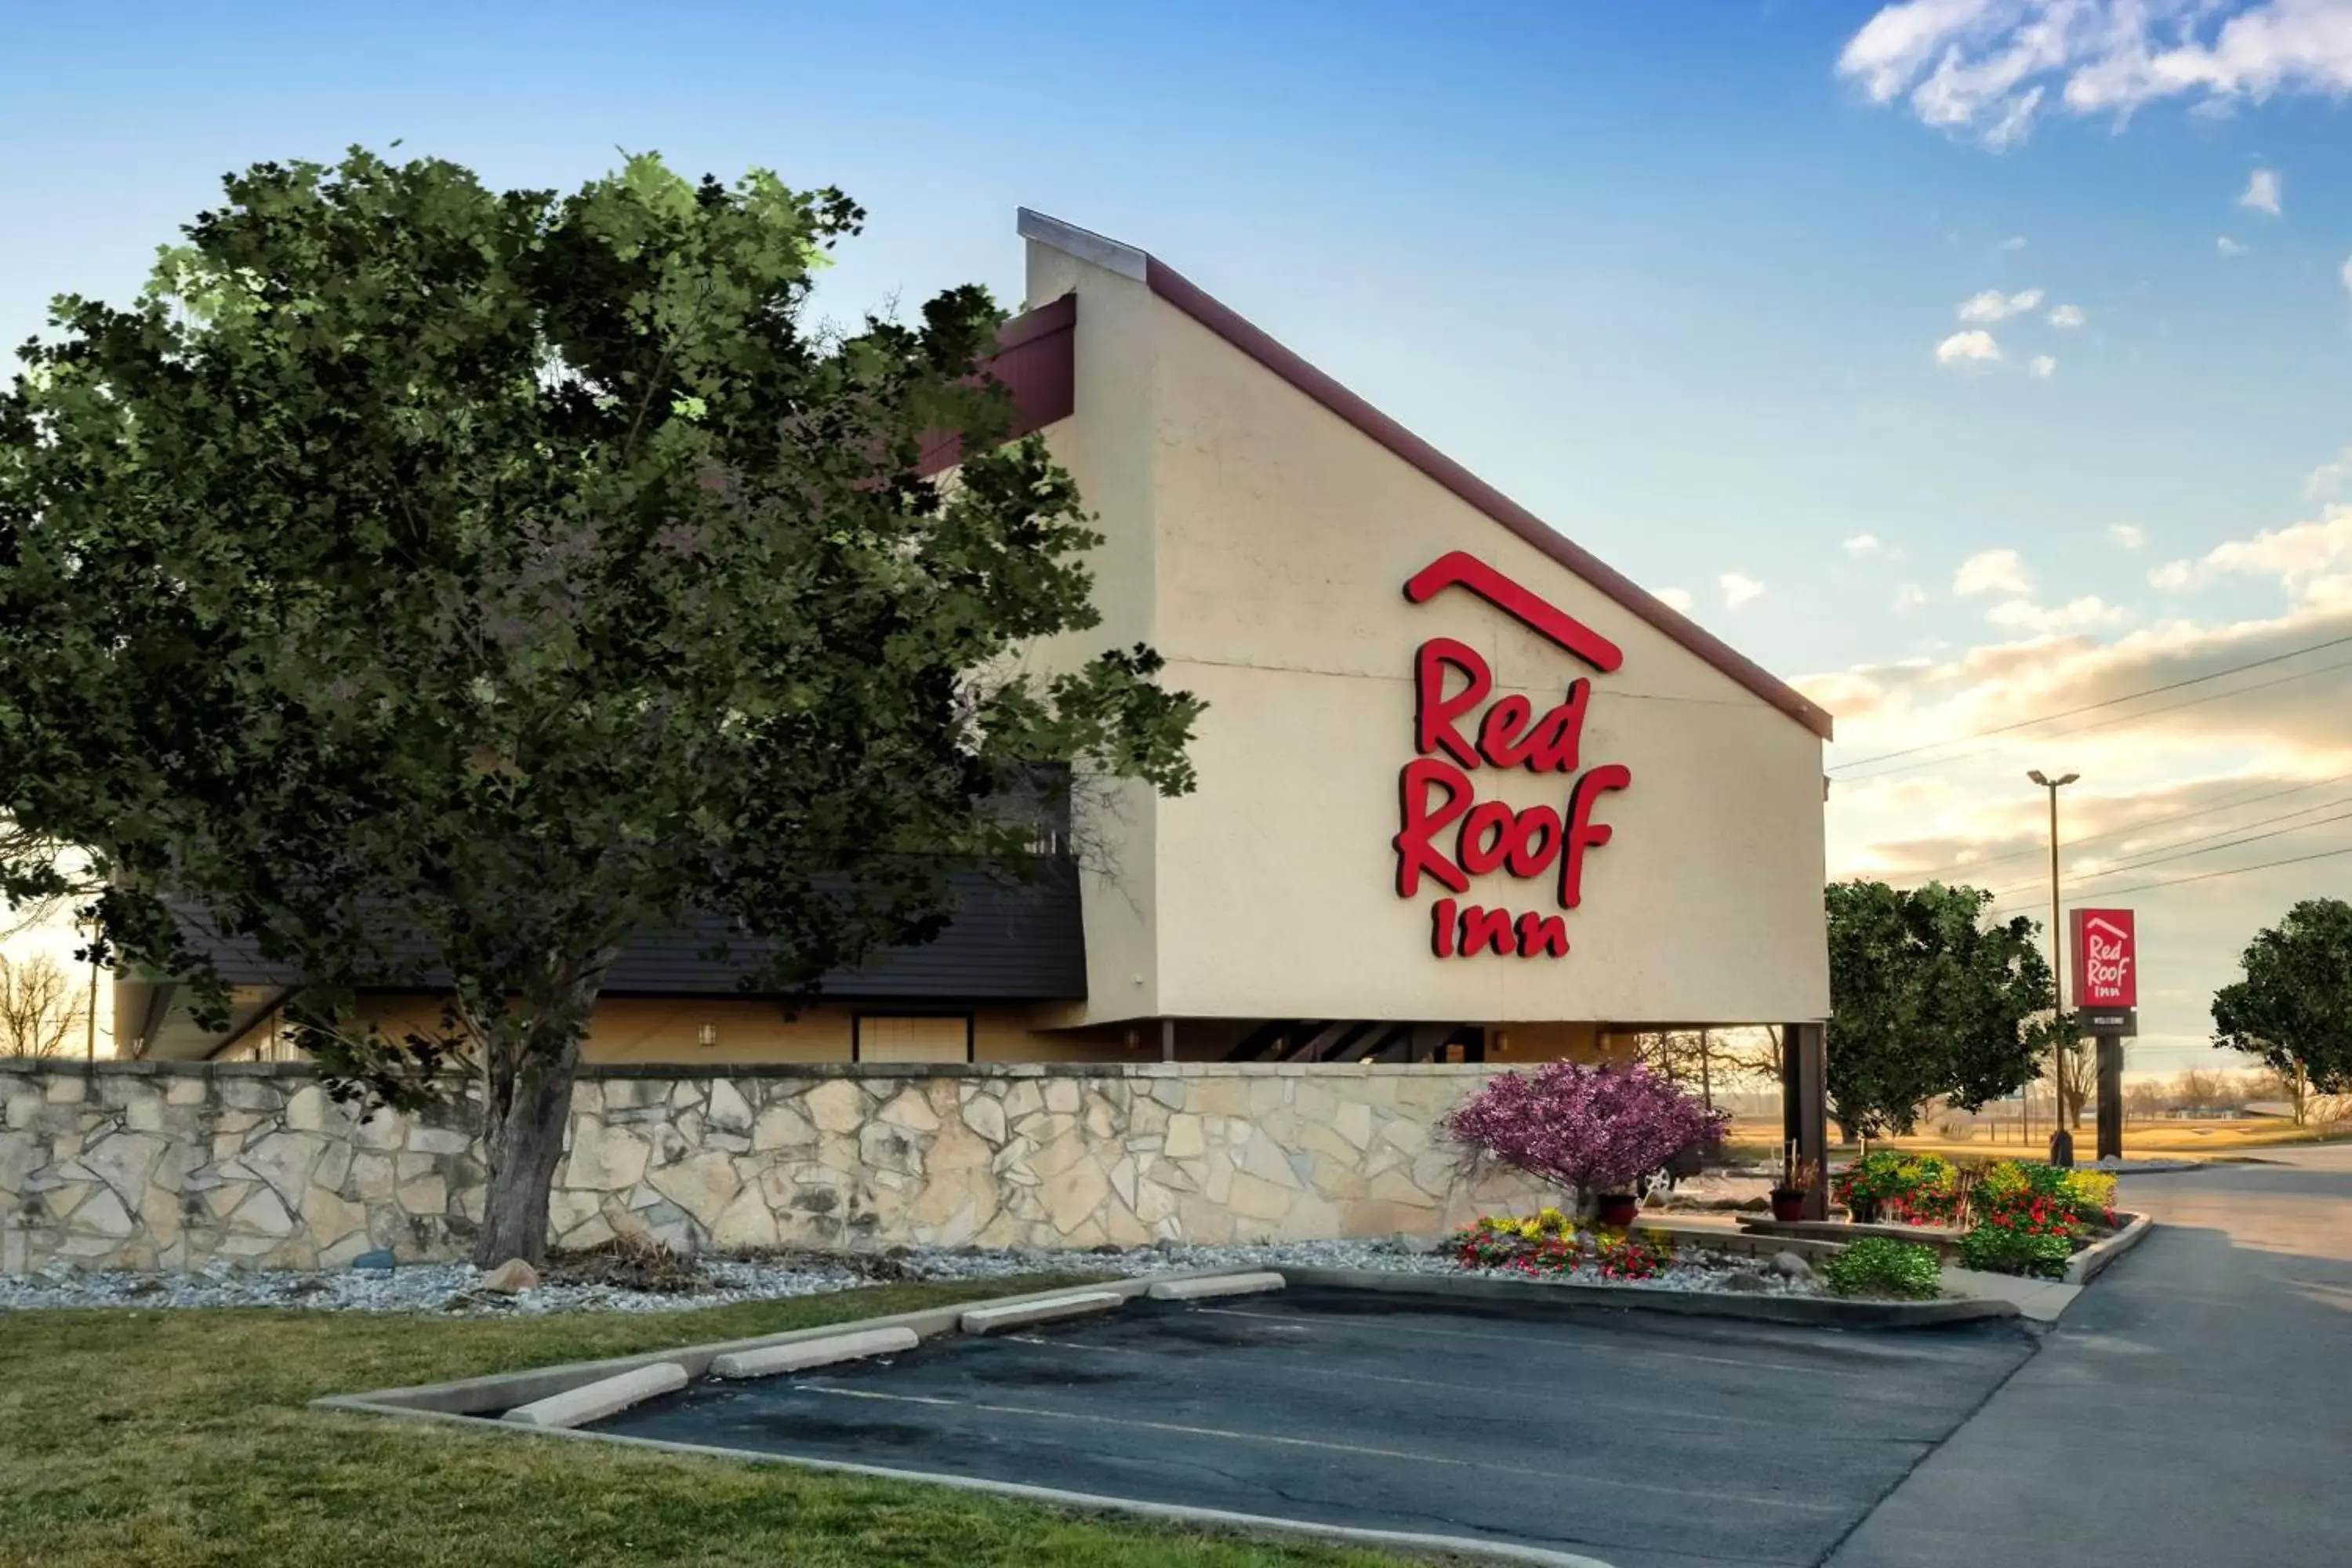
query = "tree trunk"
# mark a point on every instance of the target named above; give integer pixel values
(532, 1059)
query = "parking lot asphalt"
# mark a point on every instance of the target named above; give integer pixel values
(1648, 1442)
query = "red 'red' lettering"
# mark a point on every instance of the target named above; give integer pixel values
(1483, 928)
(1535, 839)
(1441, 934)
(1415, 848)
(1434, 713)
(1485, 837)
(1559, 734)
(1583, 833)
(1542, 933)
(1501, 731)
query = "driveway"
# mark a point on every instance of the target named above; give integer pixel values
(2193, 1409)
(1643, 1441)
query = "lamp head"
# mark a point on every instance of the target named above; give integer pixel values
(2069, 778)
(2037, 777)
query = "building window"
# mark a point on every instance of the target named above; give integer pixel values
(913, 1038)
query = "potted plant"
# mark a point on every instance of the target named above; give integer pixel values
(1798, 1174)
(1596, 1131)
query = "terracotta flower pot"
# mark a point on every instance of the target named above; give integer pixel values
(1788, 1207)
(1617, 1209)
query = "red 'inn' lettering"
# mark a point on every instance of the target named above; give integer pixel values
(1447, 834)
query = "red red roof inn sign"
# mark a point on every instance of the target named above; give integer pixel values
(2106, 970)
(1447, 834)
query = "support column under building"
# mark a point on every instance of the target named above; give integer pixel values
(1804, 1106)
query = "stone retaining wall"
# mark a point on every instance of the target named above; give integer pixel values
(140, 1165)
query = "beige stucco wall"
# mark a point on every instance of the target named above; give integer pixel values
(1280, 542)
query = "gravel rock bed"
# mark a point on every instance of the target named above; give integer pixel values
(454, 1288)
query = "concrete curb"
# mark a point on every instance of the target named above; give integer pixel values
(1841, 1233)
(1207, 1518)
(1051, 1309)
(504, 1390)
(805, 1353)
(1215, 1286)
(606, 1396)
(2092, 1261)
(1743, 1242)
(1820, 1311)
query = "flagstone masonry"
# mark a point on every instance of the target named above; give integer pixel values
(178, 1166)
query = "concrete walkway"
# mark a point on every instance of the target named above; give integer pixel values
(2194, 1409)
(2044, 1300)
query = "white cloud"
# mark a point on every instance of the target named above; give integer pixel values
(2043, 367)
(1739, 589)
(2126, 536)
(2014, 242)
(1675, 599)
(1992, 305)
(1910, 597)
(2262, 191)
(1985, 67)
(2067, 316)
(2346, 273)
(2229, 246)
(2048, 620)
(2311, 561)
(1862, 546)
(1993, 572)
(2329, 476)
(1962, 348)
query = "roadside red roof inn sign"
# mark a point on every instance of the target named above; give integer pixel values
(2106, 970)
(1448, 835)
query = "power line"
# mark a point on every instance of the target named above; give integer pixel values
(2093, 707)
(2232, 844)
(2178, 849)
(2123, 718)
(2200, 876)
(2140, 826)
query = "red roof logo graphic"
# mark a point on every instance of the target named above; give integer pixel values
(1460, 569)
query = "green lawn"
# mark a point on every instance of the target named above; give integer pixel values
(182, 1438)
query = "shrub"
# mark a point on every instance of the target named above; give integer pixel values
(1881, 1266)
(2030, 1215)
(2085, 1196)
(1589, 1129)
(2001, 1249)
(1907, 1189)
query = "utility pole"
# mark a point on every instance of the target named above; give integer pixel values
(2057, 956)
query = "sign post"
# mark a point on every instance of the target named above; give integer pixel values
(2106, 998)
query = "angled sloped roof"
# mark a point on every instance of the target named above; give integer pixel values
(1188, 296)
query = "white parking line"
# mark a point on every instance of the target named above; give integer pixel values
(1484, 1466)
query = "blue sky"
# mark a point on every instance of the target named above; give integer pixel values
(1668, 275)
(1678, 289)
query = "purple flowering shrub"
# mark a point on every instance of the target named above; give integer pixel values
(1590, 1129)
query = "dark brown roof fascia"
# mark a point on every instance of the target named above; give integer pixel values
(1036, 361)
(1221, 319)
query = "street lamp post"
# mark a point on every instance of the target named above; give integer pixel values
(2057, 955)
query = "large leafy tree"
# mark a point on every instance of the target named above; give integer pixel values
(426, 580)
(1927, 1002)
(2293, 1007)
